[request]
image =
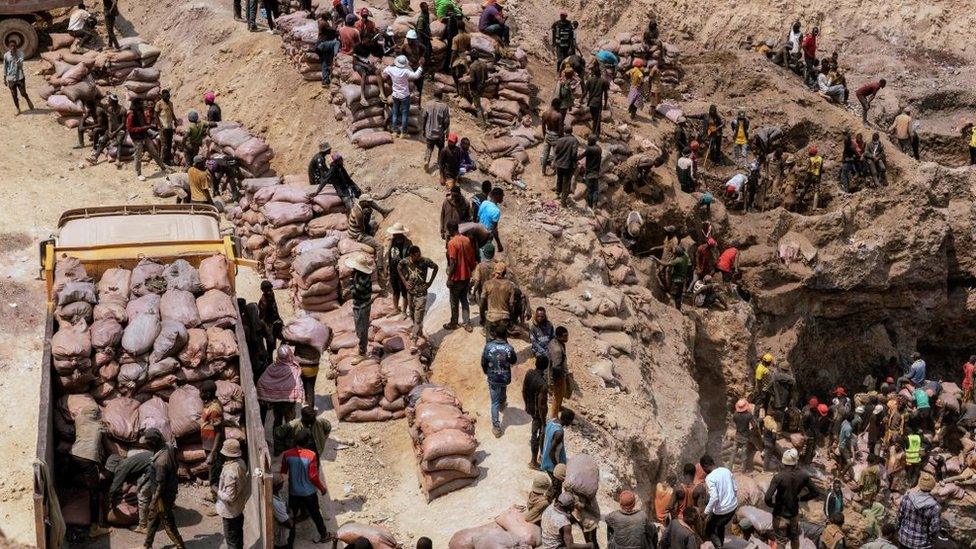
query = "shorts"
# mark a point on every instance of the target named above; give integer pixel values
(437, 143)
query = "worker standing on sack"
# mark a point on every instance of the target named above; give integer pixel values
(563, 38)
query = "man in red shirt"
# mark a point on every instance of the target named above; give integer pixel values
(967, 379)
(704, 261)
(728, 263)
(809, 46)
(349, 35)
(461, 261)
(865, 95)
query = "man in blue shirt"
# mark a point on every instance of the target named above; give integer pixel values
(489, 214)
(916, 372)
(553, 442)
(496, 362)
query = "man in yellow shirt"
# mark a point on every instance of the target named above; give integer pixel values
(635, 97)
(812, 180)
(165, 120)
(740, 135)
(763, 381)
(199, 182)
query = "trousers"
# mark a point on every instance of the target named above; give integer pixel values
(564, 183)
(150, 147)
(459, 300)
(417, 309)
(400, 112)
(234, 532)
(309, 504)
(162, 515)
(715, 529)
(360, 315)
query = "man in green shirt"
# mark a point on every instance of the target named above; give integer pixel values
(678, 269)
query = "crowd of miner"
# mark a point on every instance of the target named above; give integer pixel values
(897, 453)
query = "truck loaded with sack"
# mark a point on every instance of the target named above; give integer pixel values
(142, 312)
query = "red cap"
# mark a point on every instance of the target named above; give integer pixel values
(812, 150)
(638, 63)
(889, 379)
(814, 403)
(840, 391)
(694, 145)
(822, 410)
(364, 12)
(452, 138)
(711, 242)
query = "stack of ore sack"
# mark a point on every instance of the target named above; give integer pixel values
(277, 221)
(253, 153)
(130, 352)
(374, 388)
(443, 440)
(139, 343)
(299, 34)
(107, 68)
(142, 83)
(509, 530)
(629, 46)
(368, 123)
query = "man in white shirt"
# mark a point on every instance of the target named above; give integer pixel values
(78, 26)
(722, 501)
(232, 494)
(401, 75)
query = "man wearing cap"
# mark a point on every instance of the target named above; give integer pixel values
(199, 182)
(196, 134)
(400, 76)
(563, 38)
(366, 26)
(918, 515)
(214, 114)
(318, 166)
(417, 56)
(745, 424)
(232, 493)
(629, 527)
(740, 139)
(557, 526)
(349, 35)
(815, 427)
(537, 502)
(360, 290)
(449, 161)
(492, 22)
(786, 490)
(396, 251)
(435, 119)
(763, 381)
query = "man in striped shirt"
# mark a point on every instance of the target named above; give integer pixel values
(302, 468)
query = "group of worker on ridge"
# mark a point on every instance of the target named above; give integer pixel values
(908, 423)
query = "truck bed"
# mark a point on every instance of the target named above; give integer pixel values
(22, 7)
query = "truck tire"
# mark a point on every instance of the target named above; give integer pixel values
(22, 31)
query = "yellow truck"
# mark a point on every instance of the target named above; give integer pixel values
(119, 236)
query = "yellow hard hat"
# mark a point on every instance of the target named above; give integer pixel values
(768, 358)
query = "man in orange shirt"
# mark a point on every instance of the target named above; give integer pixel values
(967, 379)
(461, 261)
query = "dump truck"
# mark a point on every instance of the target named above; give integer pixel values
(119, 237)
(19, 20)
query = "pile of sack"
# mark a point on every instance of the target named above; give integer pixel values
(509, 530)
(138, 343)
(374, 388)
(107, 68)
(443, 440)
(142, 83)
(369, 122)
(253, 154)
(299, 34)
(629, 46)
(277, 221)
